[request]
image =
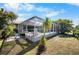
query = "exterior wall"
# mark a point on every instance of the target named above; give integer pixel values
(21, 29)
(37, 23)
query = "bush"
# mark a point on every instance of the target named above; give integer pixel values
(43, 41)
(42, 45)
(76, 32)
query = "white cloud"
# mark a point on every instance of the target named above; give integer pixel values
(49, 12)
(22, 15)
(20, 19)
(52, 13)
(29, 7)
(14, 6)
(44, 11)
(75, 4)
(17, 6)
(76, 21)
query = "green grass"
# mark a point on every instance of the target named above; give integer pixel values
(59, 46)
(12, 48)
(55, 46)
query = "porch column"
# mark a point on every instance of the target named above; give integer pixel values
(26, 28)
(53, 27)
(22, 28)
(34, 30)
(18, 28)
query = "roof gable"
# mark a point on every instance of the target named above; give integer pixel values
(35, 18)
(33, 21)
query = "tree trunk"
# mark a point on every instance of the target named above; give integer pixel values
(44, 31)
(2, 45)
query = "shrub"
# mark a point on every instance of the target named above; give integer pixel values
(43, 41)
(42, 45)
(77, 31)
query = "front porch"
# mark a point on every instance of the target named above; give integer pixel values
(33, 29)
(34, 33)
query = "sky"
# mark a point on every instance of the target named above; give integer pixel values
(54, 11)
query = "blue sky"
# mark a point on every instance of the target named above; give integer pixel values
(51, 10)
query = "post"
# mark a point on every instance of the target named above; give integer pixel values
(53, 27)
(26, 28)
(22, 28)
(34, 30)
(44, 31)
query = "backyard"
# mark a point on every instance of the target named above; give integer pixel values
(58, 45)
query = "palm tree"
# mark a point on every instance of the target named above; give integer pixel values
(47, 24)
(11, 16)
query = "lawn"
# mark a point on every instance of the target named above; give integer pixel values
(58, 45)
(14, 47)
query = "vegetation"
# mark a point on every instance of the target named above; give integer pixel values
(47, 24)
(6, 24)
(42, 46)
(59, 46)
(76, 31)
(65, 25)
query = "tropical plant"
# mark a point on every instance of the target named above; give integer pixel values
(76, 32)
(47, 24)
(65, 25)
(6, 24)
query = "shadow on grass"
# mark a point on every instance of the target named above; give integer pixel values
(18, 42)
(30, 45)
(66, 35)
(10, 49)
(6, 48)
(33, 45)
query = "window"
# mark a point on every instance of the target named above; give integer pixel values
(24, 27)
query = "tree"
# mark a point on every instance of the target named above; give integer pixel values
(11, 16)
(6, 24)
(65, 25)
(47, 24)
(76, 32)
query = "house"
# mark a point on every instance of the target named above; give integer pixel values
(33, 28)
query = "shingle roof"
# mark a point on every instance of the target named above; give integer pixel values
(33, 18)
(33, 21)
